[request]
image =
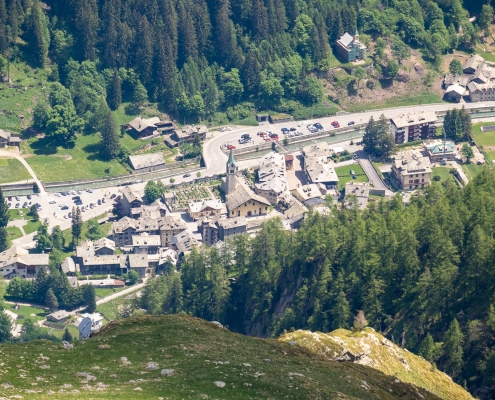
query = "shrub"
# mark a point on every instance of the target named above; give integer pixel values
(436, 178)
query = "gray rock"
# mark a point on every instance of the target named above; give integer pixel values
(152, 366)
(219, 384)
(168, 372)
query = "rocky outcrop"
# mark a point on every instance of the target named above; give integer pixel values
(371, 349)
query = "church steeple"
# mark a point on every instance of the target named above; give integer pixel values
(356, 35)
(231, 179)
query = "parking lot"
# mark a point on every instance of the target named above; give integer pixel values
(55, 209)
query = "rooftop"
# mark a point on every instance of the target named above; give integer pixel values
(140, 124)
(68, 265)
(242, 194)
(138, 261)
(229, 223)
(437, 146)
(146, 160)
(411, 161)
(421, 117)
(307, 192)
(144, 239)
(198, 206)
(130, 195)
(320, 149)
(319, 170)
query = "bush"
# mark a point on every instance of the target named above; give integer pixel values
(436, 178)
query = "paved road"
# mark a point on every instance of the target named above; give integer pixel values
(373, 175)
(5, 153)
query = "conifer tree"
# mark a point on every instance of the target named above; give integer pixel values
(4, 220)
(109, 138)
(51, 300)
(89, 298)
(76, 225)
(58, 239)
(5, 326)
(67, 335)
(341, 312)
(144, 52)
(3, 25)
(38, 48)
(114, 94)
(426, 348)
(452, 346)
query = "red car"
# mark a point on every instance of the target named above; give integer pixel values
(275, 137)
(230, 147)
(334, 123)
(337, 125)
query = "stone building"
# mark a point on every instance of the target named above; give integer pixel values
(350, 49)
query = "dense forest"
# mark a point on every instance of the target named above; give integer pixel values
(422, 273)
(201, 56)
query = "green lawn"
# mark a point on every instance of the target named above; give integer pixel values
(60, 332)
(344, 174)
(104, 292)
(11, 170)
(443, 173)
(486, 140)
(13, 233)
(3, 287)
(31, 226)
(426, 98)
(18, 213)
(471, 170)
(26, 311)
(110, 308)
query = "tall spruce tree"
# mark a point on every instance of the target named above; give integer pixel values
(3, 28)
(114, 93)
(89, 298)
(109, 138)
(452, 345)
(76, 225)
(51, 300)
(38, 48)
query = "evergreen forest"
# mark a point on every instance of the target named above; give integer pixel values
(197, 57)
(422, 273)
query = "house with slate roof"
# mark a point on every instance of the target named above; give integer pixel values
(350, 48)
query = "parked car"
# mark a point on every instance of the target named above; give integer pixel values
(103, 200)
(230, 147)
(9, 198)
(89, 191)
(284, 129)
(318, 125)
(337, 125)
(9, 205)
(52, 202)
(99, 202)
(65, 216)
(91, 205)
(228, 128)
(25, 204)
(293, 129)
(57, 194)
(351, 123)
(64, 208)
(113, 196)
(17, 205)
(246, 136)
(70, 215)
(186, 175)
(17, 198)
(29, 197)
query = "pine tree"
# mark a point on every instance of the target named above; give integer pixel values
(4, 211)
(114, 94)
(3, 25)
(188, 42)
(452, 345)
(144, 52)
(51, 300)
(58, 239)
(41, 284)
(370, 137)
(260, 21)
(3, 239)
(67, 335)
(109, 139)
(251, 74)
(76, 225)
(341, 312)
(86, 22)
(426, 348)
(38, 48)
(89, 298)
(5, 326)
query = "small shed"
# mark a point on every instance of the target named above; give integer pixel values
(454, 93)
(58, 316)
(289, 162)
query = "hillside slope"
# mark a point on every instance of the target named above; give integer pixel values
(199, 354)
(372, 349)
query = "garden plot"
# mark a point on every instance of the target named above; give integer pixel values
(185, 194)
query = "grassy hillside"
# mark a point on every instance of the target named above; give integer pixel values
(376, 351)
(200, 353)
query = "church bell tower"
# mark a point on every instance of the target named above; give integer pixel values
(231, 179)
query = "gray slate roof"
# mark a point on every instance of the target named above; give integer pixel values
(141, 161)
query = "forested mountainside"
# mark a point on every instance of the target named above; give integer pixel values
(200, 56)
(423, 274)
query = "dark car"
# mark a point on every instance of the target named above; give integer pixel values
(318, 125)
(25, 204)
(10, 198)
(245, 136)
(17, 205)
(186, 175)
(284, 130)
(29, 197)
(293, 129)
(65, 208)
(99, 202)
(113, 196)
(351, 123)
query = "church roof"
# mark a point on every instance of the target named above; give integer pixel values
(231, 159)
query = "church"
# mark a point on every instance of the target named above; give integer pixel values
(241, 201)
